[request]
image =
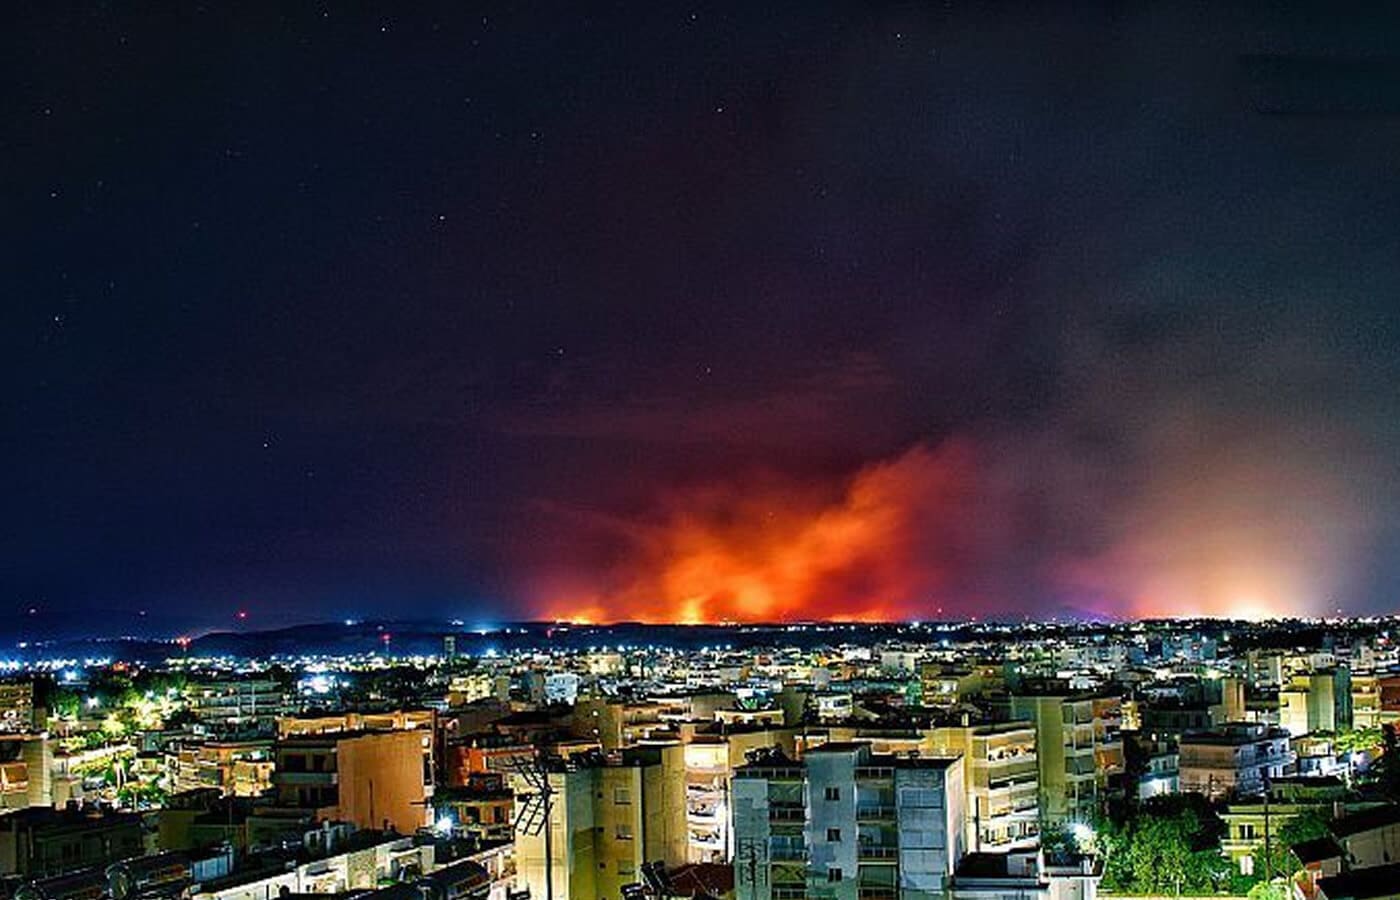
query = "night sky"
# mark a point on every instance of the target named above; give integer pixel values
(762, 311)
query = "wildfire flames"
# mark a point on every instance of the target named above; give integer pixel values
(884, 547)
(950, 532)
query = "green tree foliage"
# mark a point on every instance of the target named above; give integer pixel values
(1355, 740)
(1167, 845)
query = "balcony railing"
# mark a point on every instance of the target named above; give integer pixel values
(877, 852)
(872, 773)
(869, 813)
(878, 892)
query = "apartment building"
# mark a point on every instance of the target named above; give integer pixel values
(236, 768)
(1237, 759)
(1316, 701)
(846, 824)
(236, 707)
(610, 813)
(1002, 779)
(1079, 749)
(374, 779)
(710, 762)
(17, 712)
(483, 807)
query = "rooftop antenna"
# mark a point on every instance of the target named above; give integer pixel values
(533, 808)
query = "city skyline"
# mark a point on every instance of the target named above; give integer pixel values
(780, 312)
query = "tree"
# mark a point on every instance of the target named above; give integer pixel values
(1167, 845)
(1280, 860)
(1359, 740)
(1265, 890)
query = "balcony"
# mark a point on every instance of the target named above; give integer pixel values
(878, 892)
(877, 853)
(874, 773)
(794, 812)
(1012, 780)
(874, 813)
(787, 853)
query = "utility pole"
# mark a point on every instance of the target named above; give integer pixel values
(1268, 851)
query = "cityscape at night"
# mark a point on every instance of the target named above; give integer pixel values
(761, 451)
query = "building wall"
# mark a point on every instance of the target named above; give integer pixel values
(382, 779)
(931, 808)
(752, 833)
(1375, 847)
(831, 834)
(1001, 774)
(664, 819)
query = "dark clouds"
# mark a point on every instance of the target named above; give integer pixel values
(476, 279)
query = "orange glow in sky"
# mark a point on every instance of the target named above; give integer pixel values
(932, 534)
(776, 554)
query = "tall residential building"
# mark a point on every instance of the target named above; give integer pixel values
(710, 762)
(1238, 759)
(1079, 750)
(845, 824)
(1001, 774)
(1316, 701)
(610, 814)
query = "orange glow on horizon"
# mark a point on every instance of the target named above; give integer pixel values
(779, 554)
(949, 533)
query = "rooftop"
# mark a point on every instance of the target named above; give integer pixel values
(1377, 881)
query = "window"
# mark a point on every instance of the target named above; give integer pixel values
(624, 832)
(1247, 832)
(622, 796)
(923, 797)
(833, 835)
(833, 793)
(833, 874)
